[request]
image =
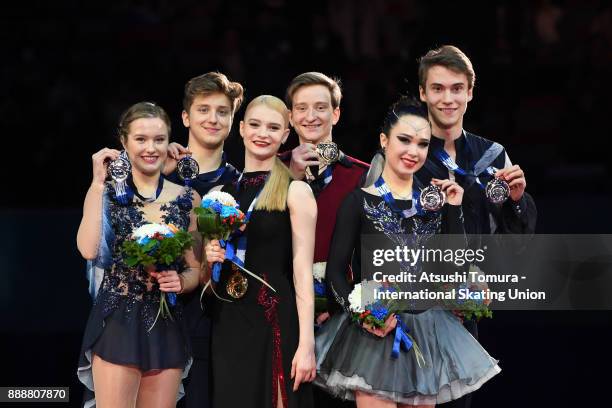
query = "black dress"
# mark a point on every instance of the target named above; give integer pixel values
(254, 338)
(128, 300)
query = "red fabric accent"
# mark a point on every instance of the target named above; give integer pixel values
(269, 303)
(346, 177)
(344, 180)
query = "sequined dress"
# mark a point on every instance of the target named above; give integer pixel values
(128, 300)
(350, 359)
(254, 339)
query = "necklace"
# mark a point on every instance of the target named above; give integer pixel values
(399, 196)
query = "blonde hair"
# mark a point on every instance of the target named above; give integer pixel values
(273, 197)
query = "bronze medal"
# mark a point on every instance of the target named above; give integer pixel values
(237, 284)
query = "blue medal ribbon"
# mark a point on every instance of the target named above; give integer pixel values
(131, 191)
(321, 182)
(480, 167)
(448, 162)
(214, 176)
(386, 195)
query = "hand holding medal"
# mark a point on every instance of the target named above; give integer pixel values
(188, 169)
(432, 198)
(101, 161)
(328, 152)
(509, 182)
(119, 170)
(450, 189)
(302, 157)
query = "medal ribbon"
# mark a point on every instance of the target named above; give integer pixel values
(132, 191)
(480, 167)
(386, 195)
(319, 183)
(216, 175)
(213, 176)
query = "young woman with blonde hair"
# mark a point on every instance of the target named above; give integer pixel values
(263, 342)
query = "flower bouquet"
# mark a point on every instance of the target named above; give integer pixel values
(160, 246)
(219, 217)
(368, 311)
(471, 309)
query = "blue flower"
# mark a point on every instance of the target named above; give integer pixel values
(144, 240)
(319, 288)
(217, 207)
(379, 312)
(227, 211)
(206, 203)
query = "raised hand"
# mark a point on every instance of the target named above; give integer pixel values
(303, 156)
(515, 177)
(100, 161)
(175, 153)
(453, 191)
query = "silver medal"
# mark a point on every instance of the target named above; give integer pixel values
(432, 198)
(188, 168)
(497, 191)
(119, 169)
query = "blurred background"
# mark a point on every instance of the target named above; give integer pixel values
(69, 68)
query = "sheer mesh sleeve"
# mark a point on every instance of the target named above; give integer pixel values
(344, 242)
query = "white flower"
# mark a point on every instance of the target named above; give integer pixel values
(149, 230)
(477, 278)
(363, 295)
(355, 299)
(318, 271)
(222, 197)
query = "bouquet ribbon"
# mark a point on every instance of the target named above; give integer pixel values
(401, 341)
(230, 255)
(404, 341)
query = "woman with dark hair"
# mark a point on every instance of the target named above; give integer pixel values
(128, 358)
(358, 362)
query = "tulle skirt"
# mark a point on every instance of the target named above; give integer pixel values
(350, 359)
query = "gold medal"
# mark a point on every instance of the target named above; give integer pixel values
(237, 284)
(328, 152)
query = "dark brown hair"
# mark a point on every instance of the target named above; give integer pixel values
(141, 110)
(449, 57)
(213, 82)
(314, 78)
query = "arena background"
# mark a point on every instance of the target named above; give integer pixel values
(69, 68)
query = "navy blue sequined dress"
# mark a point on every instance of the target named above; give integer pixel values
(128, 300)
